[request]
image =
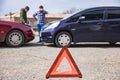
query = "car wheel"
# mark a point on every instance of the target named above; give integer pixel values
(63, 39)
(112, 43)
(15, 38)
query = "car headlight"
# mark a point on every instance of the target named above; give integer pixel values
(53, 25)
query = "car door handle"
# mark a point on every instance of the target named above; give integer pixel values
(99, 23)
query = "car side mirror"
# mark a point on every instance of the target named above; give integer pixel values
(81, 18)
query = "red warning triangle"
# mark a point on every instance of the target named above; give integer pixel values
(53, 70)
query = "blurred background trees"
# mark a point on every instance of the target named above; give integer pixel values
(70, 11)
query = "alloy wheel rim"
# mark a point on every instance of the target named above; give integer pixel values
(15, 38)
(64, 39)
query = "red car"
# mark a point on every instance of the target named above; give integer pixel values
(15, 34)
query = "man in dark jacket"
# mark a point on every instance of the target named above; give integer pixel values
(23, 15)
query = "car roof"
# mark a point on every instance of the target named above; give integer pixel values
(93, 8)
(105, 7)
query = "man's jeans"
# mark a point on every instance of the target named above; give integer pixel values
(39, 30)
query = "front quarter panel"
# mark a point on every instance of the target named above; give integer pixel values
(4, 29)
(67, 27)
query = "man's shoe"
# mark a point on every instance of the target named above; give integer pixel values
(39, 42)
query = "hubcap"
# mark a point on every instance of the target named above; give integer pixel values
(15, 38)
(64, 39)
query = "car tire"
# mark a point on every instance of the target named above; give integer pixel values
(63, 39)
(15, 38)
(112, 43)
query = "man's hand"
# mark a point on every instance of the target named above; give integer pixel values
(35, 19)
(27, 22)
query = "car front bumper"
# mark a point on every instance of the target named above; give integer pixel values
(47, 37)
(29, 36)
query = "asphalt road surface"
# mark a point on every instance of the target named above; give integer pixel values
(32, 61)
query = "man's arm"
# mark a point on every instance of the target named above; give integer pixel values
(23, 18)
(45, 12)
(34, 16)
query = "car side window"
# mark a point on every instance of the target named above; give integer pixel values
(93, 15)
(74, 18)
(113, 14)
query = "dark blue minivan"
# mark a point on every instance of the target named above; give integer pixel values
(99, 24)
